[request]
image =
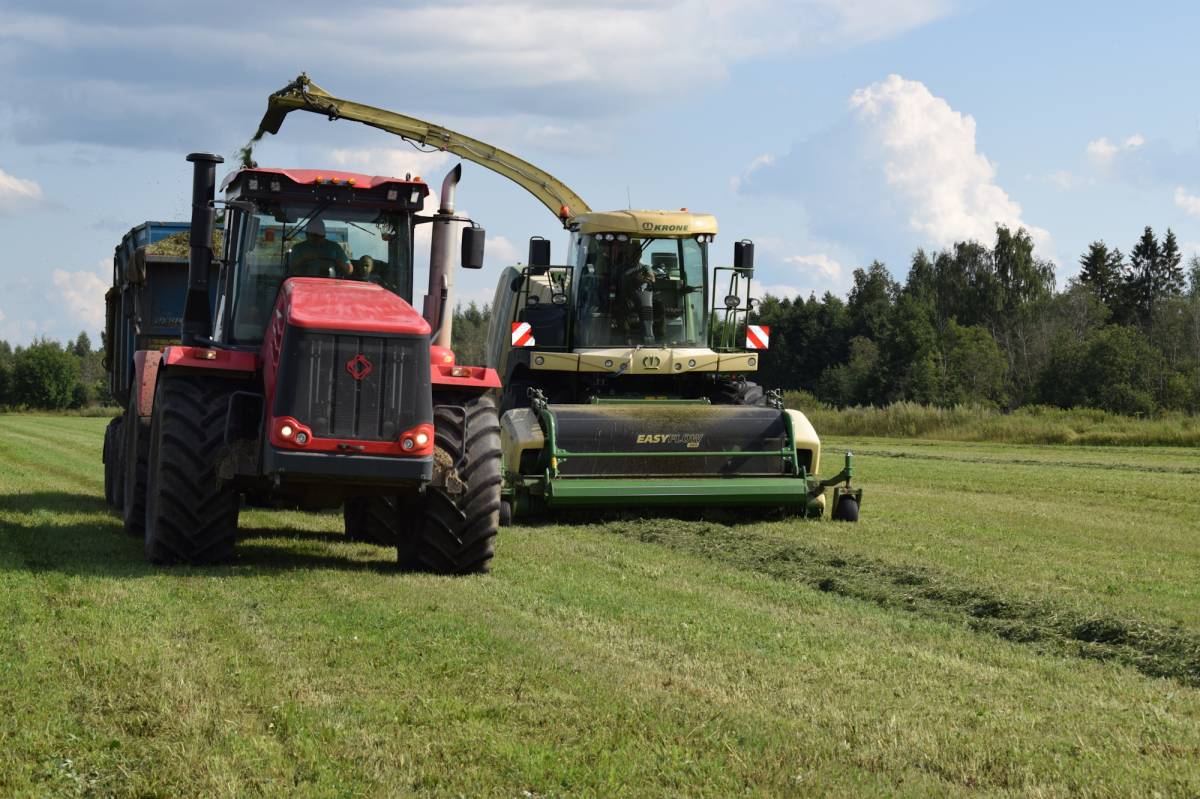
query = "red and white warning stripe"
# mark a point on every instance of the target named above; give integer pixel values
(757, 337)
(522, 334)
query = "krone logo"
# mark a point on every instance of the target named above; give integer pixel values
(651, 362)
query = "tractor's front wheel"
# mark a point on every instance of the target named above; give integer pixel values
(455, 532)
(191, 513)
(375, 520)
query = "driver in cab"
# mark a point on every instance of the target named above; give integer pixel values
(317, 256)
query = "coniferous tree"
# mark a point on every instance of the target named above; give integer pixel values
(1100, 270)
(1169, 280)
(1137, 286)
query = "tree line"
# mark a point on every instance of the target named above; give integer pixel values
(972, 324)
(986, 325)
(47, 375)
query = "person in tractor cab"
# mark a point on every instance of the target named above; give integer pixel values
(317, 256)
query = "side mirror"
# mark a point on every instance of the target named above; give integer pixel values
(539, 251)
(732, 301)
(743, 256)
(472, 247)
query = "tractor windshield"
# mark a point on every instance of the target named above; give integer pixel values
(315, 241)
(641, 291)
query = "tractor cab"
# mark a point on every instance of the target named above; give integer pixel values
(302, 223)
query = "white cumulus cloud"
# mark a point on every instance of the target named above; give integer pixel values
(81, 296)
(819, 265)
(16, 193)
(391, 162)
(901, 161)
(1188, 202)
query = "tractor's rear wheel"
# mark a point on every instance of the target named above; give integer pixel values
(112, 434)
(376, 520)
(455, 533)
(739, 392)
(191, 513)
(137, 450)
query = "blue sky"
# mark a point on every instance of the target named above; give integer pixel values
(831, 133)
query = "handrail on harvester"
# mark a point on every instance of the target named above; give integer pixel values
(304, 95)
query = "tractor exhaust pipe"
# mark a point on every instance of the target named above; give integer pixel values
(197, 317)
(439, 301)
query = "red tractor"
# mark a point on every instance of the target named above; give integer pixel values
(312, 382)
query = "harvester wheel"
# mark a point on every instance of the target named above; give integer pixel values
(374, 520)
(191, 513)
(455, 532)
(137, 449)
(112, 435)
(739, 392)
(506, 513)
(846, 509)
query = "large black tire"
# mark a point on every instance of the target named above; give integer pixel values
(137, 450)
(191, 513)
(376, 520)
(112, 434)
(846, 509)
(456, 533)
(738, 392)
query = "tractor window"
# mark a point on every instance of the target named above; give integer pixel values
(635, 291)
(312, 241)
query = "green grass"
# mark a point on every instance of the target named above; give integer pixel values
(1033, 424)
(632, 658)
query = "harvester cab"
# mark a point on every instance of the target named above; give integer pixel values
(312, 381)
(625, 378)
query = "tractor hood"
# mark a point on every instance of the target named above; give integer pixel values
(327, 304)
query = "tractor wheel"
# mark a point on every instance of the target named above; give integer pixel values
(191, 513)
(516, 395)
(739, 392)
(375, 520)
(118, 464)
(455, 533)
(506, 509)
(137, 450)
(112, 434)
(846, 509)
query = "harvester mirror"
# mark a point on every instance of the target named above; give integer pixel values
(472, 247)
(732, 301)
(743, 256)
(539, 251)
(558, 298)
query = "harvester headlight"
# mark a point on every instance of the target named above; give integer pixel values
(422, 439)
(752, 360)
(286, 431)
(539, 360)
(678, 367)
(691, 363)
(608, 363)
(622, 237)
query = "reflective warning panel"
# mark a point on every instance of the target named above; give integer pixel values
(757, 337)
(522, 334)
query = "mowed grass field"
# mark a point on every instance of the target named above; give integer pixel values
(1005, 621)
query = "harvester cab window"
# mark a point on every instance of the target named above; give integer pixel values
(641, 291)
(315, 241)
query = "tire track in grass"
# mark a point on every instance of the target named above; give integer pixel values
(1124, 467)
(1154, 650)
